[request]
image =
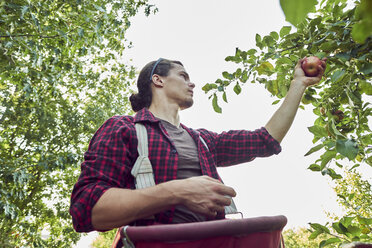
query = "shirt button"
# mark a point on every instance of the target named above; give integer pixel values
(174, 151)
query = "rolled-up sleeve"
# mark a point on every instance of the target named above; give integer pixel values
(240, 146)
(106, 165)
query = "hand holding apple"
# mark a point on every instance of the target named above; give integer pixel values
(311, 66)
(309, 70)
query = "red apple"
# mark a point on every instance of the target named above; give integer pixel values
(310, 66)
(338, 115)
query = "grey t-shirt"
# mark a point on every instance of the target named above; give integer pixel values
(188, 166)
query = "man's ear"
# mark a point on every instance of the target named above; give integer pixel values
(157, 81)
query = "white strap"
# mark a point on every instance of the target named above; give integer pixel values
(142, 168)
(203, 141)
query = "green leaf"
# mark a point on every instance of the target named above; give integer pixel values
(333, 130)
(244, 76)
(208, 87)
(295, 11)
(284, 60)
(224, 97)
(266, 68)
(333, 174)
(268, 40)
(354, 230)
(338, 229)
(251, 51)
(275, 102)
(314, 167)
(354, 97)
(367, 69)
(329, 241)
(314, 149)
(274, 35)
(317, 226)
(354, 166)
(326, 157)
(362, 29)
(215, 104)
(343, 56)
(237, 89)
(315, 234)
(258, 38)
(364, 221)
(360, 32)
(328, 46)
(366, 87)
(346, 221)
(347, 148)
(339, 165)
(227, 75)
(337, 75)
(318, 131)
(284, 31)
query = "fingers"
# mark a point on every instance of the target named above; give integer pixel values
(221, 188)
(213, 210)
(299, 63)
(322, 67)
(226, 190)
(209, 196)
(223, 201)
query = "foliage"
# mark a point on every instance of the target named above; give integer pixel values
(296, 11)
(299, 237)
(105, 239)
(341, 131)
(61, 76)
(355, 196)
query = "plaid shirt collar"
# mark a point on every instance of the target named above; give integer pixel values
(145, 115)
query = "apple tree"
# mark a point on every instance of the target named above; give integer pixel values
(61, 76)
(342, 32)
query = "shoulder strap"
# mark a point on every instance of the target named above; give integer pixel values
(142, 168)
(203, 141)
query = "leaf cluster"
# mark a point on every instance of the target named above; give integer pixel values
(341, 130)
(61, 75)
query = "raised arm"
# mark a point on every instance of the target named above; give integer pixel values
(282, 119)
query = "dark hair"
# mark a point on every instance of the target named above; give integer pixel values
(143, 98)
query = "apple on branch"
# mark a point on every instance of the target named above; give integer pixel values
(310, 65)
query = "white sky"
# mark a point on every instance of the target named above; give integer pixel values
(201, 34)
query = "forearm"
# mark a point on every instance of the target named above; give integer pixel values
(118, 207)
(282, 119)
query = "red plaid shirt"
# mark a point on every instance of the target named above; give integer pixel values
(113, 150)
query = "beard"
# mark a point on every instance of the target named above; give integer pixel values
(187, 104)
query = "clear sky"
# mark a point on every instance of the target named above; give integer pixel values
(201, 34)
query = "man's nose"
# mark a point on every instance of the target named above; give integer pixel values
(192, 85)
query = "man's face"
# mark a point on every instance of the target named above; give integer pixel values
(178, 87)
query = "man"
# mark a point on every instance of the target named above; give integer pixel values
(184, 160)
